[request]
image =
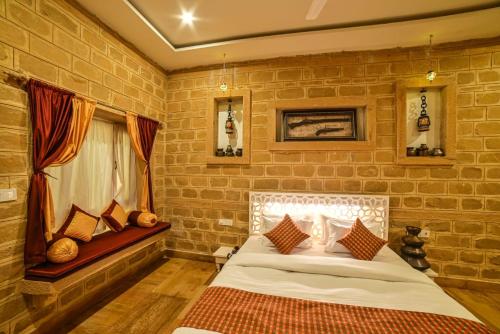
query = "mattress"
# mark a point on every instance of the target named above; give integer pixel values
(386, 282)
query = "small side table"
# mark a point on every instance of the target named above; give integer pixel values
(220, 256)
(430, 273)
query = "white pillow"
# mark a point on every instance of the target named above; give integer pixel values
(269, 222)
(338, 228)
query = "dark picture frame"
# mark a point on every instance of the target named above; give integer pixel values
(319, 123)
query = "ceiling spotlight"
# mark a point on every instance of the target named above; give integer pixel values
(187, 17)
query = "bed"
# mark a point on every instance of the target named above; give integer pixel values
(311, 291)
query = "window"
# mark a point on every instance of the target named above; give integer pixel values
(103, 169)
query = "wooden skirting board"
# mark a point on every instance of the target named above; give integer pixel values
(189, 255)
(53, 288)
(467, 284)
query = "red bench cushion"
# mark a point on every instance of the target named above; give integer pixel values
(100, 246)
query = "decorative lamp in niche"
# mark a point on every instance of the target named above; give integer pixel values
(424, 121)
(229, 121)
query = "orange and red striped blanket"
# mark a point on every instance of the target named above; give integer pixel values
(228, 310)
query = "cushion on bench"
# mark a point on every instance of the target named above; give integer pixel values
(100, 246)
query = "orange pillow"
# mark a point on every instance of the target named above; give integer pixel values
(79, 225)
(362, 243)
(142, 219)
(115, 217)
(286, 235)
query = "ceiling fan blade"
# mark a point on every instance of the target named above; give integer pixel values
(315, 9)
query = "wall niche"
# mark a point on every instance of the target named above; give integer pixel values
(228, 140)
(432, 102)
(323, 124)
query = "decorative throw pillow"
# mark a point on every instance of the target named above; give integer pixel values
(286, 235)
(304, 223)
(142, 219)
(79, 224)
(363, 244)
(337, 229)
(62, 251)
(327, 221)
(115, 217)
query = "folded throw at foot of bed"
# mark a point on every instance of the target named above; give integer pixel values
(228, 310)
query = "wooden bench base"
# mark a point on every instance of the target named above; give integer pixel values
(43, 292)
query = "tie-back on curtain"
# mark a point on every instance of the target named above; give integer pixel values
(142, 133)
(59, 123)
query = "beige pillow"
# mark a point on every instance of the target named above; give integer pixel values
(63, 250)
(79, 224)
(115, 217)
(142, 219)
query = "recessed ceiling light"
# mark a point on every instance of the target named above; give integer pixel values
(187, 17)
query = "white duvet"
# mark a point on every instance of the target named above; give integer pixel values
(385, 282)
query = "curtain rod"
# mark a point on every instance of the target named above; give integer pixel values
(20, 81)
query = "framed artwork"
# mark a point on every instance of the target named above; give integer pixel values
(319, 125)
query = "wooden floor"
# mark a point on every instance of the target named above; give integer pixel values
(485, 305)
(151, 302)
(156, 300)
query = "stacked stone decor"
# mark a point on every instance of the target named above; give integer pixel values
(460, 204)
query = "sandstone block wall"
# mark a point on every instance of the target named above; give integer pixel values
(53, 41)
(460, 205)
(59, 43)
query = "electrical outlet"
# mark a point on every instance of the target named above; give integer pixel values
(226, 222)
(425, 233)
(7, 195)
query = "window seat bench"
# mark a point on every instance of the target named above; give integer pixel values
(96, 256)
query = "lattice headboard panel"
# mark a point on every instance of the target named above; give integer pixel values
(344, 206)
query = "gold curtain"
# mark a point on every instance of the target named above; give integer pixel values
(83, 111)
(142, 168)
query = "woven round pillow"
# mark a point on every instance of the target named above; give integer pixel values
(63, 250)
(143, 219)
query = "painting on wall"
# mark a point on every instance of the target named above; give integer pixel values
(322, 124)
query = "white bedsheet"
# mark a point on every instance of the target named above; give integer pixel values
(386, 282)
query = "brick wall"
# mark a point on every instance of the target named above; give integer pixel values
(58, 43)
(460, 205)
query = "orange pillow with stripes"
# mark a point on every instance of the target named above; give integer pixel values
(286, 235)
(362, 243)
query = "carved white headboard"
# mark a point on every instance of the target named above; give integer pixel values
(344, 206)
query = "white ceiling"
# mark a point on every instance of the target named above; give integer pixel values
(255, 29)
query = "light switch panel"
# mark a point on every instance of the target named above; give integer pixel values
(7, 195)
(226, 222)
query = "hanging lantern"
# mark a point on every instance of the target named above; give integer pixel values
(223, 85)
(431, 74)
(424, 121)
(229, 120)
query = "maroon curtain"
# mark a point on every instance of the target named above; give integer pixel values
(51, 114)
(147, 132)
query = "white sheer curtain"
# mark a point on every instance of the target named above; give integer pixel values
(104, 169)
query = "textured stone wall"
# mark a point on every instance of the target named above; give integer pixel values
(460, 205)
(57, 43)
